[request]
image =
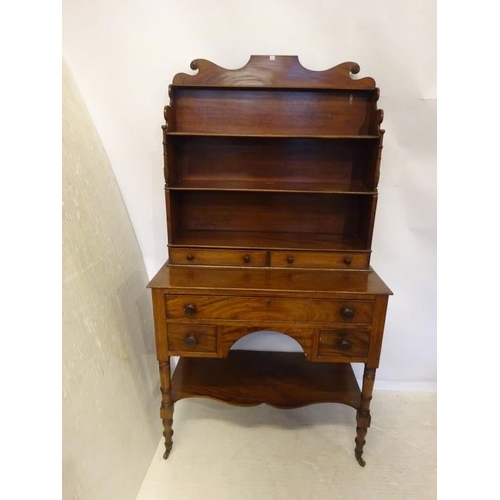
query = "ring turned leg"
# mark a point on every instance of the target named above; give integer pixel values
(167, 406)
(363, 417)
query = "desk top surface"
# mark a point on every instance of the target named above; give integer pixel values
(258, 281)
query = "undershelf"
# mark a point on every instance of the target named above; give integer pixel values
(280, 379)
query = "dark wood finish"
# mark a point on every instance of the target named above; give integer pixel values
(322, 260)
(160, 324)
(256, 212)
(271, 175)
(341, 343)
(280, 72)
(206, 257)
(192, 340)
(249, 151)
(278, 282)
(274, 309)
(167, 405)
(261, 164)
(363, 416)
(379, 313)
(284, 112)
(249, 378)
(268, 240)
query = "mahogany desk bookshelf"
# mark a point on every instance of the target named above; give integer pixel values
(271, 176)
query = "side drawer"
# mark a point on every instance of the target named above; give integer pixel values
(192, 339)
(209, 257)
(268, 309)
(343, 344)
(320, 260)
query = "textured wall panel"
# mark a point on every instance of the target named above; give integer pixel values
(110, 383)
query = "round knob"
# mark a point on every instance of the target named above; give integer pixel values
(246, 258)
(189, 256)
(190, 341)
(345, 345)
(290, 260)
(347, 313)
(347, 261)
(190, 309)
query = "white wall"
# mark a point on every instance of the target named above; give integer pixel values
(124, 54)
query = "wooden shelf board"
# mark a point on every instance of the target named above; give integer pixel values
(262, 281)
(272, 136)
(354, 187)
(249, 378)
(267, 240)
(278, 88)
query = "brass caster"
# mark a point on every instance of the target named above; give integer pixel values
(167, 452)
(361, 461)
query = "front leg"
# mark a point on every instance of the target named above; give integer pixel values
(363, 416)
(167, 406)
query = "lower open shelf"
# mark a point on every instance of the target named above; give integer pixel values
(280, 379)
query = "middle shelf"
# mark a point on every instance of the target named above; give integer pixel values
(302, 164)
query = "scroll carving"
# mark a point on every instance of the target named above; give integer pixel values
(380, 116)
(274, 71)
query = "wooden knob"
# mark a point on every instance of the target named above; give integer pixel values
(347, 261)
(189, 256)
(290, 259)
(347, 313)
(190, 309)
(345, 345)
(190, 341)
(246, 258)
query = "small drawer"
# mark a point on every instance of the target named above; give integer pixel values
(196, 307)
(192, 339)
(209, 257)
(343, 344)
(321, 260)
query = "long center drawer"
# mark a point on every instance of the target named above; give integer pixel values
(260, 308)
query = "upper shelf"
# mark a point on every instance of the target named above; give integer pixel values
(274, 71)
(270, 112)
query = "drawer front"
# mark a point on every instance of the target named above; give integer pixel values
(192, 338)
(321, 260)
(208, 257)
(264, 309)
(338, 344)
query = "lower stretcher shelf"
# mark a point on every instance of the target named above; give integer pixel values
(280, 379)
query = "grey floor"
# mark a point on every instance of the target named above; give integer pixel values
(226, 452)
